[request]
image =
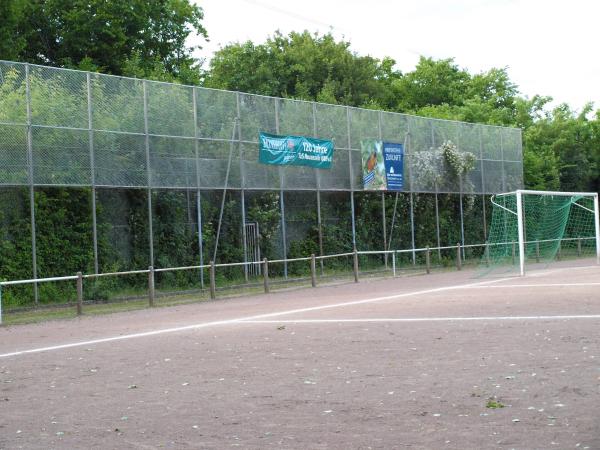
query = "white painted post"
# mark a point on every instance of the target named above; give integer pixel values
(597, 224)
(519, 195)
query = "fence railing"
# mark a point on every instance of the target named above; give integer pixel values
(265, 264)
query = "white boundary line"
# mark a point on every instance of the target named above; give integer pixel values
(534, 285)
(245, 319)
(425, 319)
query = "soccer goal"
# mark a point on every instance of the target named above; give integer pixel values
(531, 227)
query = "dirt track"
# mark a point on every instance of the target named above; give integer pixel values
(269, 382)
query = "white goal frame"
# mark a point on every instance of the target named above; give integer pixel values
(520, 221)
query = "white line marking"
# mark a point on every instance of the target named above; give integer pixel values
(243, 319)
(502, 286)
(425, 319)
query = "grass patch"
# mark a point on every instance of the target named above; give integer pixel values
(494, 404)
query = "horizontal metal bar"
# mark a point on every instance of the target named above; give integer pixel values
(38, 280)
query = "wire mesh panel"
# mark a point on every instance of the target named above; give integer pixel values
(53, 206)
(257, 114)
(175, 228)
(117, 103)
(302, 236)
(120, 159)
(61, 157)
(216, 171)
(13, 97)
(172, 162)
(123, 231)
(263, 208)
(58, 97)
(15, 245)
(216, 112)
(13, 155)
(364, 124)
(170, 109)
(332, 123)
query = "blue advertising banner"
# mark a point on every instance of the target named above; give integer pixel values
(393, 159)
(294, 150)
(382, 165)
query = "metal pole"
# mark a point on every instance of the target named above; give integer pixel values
(79, 293)
(355, 260)
(412, 229)
(198, 196)
(213, 286)
(92, 171)
(151, 287)
(353, 223)
(266, 275)
(383, 217)
(437, 224)
(31, 190)
(318, 180)
(242, 186)
(597, 227)
(149, 175)
(235, 122)
(281, 201)
(521, 232)
(462, 225)
(351, 177)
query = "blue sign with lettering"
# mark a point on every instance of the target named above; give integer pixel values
(393, 160)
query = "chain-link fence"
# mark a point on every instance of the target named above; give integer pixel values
(101, 173)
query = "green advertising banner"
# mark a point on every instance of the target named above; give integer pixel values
(294, 150)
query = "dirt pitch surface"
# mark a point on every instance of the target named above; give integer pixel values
(437, 361)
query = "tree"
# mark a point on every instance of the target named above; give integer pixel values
(125, 37)
(304, 66)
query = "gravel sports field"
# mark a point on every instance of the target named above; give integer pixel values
(424, 362)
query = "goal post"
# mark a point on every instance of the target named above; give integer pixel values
(541, 226)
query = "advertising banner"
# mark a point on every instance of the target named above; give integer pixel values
(295, 150)
(382, 165)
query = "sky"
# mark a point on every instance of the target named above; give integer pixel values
(549, 47)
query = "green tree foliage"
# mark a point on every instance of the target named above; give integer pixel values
(128, 37)
(301, 65)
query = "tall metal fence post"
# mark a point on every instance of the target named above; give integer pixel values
(92, 170)
(151, 288)
(242, 189)
(265, 272)
(412, 229)
(383, 220)
(198, 196)
(355, 254)
(458, 257)
(79, 293)
(213, 287)
(148, 174)
(313, 270)
(428, 260)
(31, 183)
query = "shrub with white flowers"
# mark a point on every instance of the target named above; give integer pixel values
(441, 165)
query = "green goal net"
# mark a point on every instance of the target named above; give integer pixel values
(530, 227)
